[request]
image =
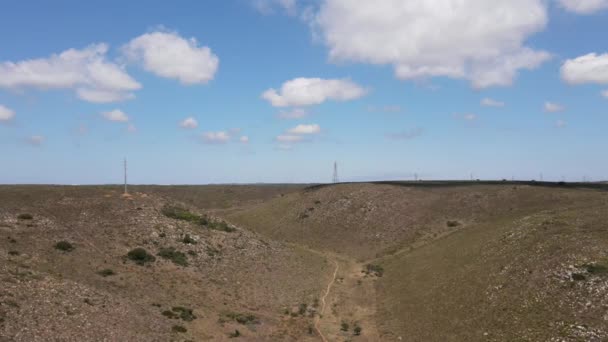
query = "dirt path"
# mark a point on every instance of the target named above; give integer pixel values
(323, 300)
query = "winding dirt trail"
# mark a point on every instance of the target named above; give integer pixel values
(323, 301)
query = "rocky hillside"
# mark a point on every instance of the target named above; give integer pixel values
(82, 264)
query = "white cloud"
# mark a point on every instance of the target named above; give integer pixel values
(479, 40)
(86, 71)
(6, 114)
(102, 96)
(131, 128)
(35, 140)
(406, 135)
(220, 137)
(384, 109)
(305, 129)
(590, 68)
(166, 54)
(189, 123)
(289, 138)
(115, 115)
(469, 117)
(244, 139)
(311, 91)
(551, 107)
(584, 6)
(285, 147)
(560, 123)
(270, 6)
(487, 102)
(295, 113)
(605, 93)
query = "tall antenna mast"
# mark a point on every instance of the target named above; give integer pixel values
(125, 164)
(335, 178)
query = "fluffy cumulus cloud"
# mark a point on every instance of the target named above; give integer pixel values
(590, 68)
(294, 113)
(406, 135)
(488, 102)
(584, 6)
(270, 6)
(6, 114)
(312, 91)
(87, 71)
(167, 54)
(220, 137)
(35, 140)
(116, 115)
(189, 123)
(289, 138)
(305, 129)
(552, 107)
(479, 40)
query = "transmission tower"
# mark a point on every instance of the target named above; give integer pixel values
(125, 165)
(335, 178)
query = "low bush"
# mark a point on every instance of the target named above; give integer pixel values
(106, 272)
(184, 313)
(371, 269)
(452, 224)
(188, 240)
(240, 318)
(177, 257)
(596, 268)
(25, 217)
(64, 246)
(221, 226)
(357, 330)
(344, 326)
(235, 334)
(179, 329)
(140, 256)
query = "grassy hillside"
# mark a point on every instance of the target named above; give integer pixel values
(90, 289)
(350, 262)
(370, 220)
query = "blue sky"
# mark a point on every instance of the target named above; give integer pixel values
(442, 90)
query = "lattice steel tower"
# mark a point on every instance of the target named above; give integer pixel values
(335, 178)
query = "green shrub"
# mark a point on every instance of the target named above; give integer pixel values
(177, 257)
(184, 313)
(25, 217)
(578, 277)
(140, 256)
(344, 326)
(183, 215)
(64, 246)
(188, 240)
(376, 270)
(15, 253)
(357, 330)
(192, 253)
(179, 329)
(106, 272)
(453, 224)
(235, 334)
(241, 318)
(302, 308)
(596, 268)
(221, 226)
